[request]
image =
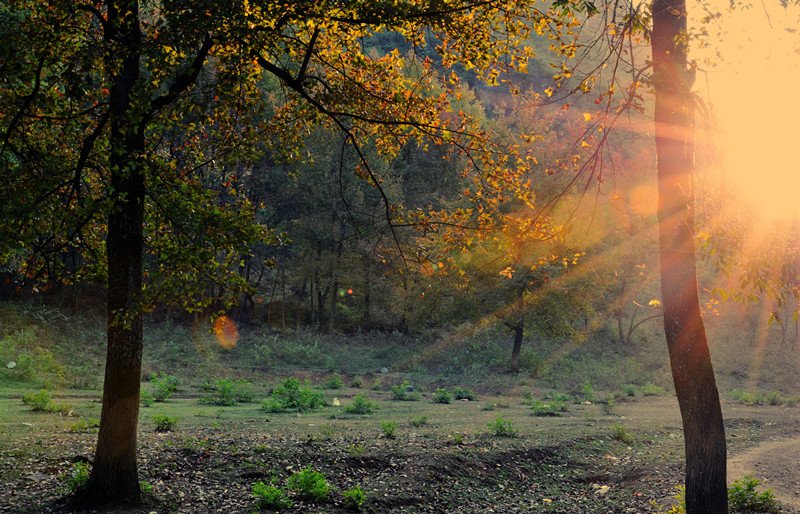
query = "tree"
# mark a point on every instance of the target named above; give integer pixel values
(690, 359)
(123, 121)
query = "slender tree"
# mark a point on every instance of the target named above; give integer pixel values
(690, 358)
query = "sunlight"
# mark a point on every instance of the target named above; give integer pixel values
(753, 92)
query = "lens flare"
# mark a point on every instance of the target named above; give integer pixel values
(226, 332)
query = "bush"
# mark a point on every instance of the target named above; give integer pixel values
(552, 408)
(291, 397)
(358, 382)
(334, 382)
(442, 396)
(39, 402)
(361, 405)
(420, 421)
(743, 497)
(164, 423)
(354, 498)
(165, 386)
(629, 390)
(588, 392)
(309, 484)
(620, 433)
(502, 427)
(77, 476)
(404, 392)
(462, 393)
(389, 428)
(146, 399)
(608, 405)
(651, 389)
(227, 392)
(84, 425)
(270, 497)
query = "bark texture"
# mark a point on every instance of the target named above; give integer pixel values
(114, 478)
(690, 358)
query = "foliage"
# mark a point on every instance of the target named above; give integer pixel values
(650, 389)
(463, 393)
(743, 497)
(40, 401)
(358, 382)
(620, 433)
(588, 392)
(146, 399)
(77, 476)
(763, 398)
(354, 497)
(608, 405)
(165, 386)
(502, 427)
(84, 425)
(442, 395)
(629, 389)
(551, 408)
(419, 422)
(309, 484)
(164, 423)
(389, 428)
(227, 392)
(270, 497)
(290, 396)
(361, 405)
(334, 381)
(405, 392)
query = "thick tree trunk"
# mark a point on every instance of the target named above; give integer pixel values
(114, 477)
(518, 333)
(690, 358)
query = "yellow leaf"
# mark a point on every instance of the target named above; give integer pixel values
(587, 116)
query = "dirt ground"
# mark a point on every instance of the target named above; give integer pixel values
(566, 464)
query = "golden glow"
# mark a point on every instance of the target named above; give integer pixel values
(753, 91)
(226, 332)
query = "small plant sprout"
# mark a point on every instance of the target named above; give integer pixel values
(309, 484)
(502, 427)
(389, 428)
(269, 497)
(354, 498)
(164, 423)
(620, 433)
(76, 477)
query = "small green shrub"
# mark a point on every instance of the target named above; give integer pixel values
(552, 408)
(291, 397)
(463, 393)
(743, 497)
(354, 498)
(77, 477)
(376, 384)
(270, 497)
(588, 392)
(389, 428)
(227, 392)
(164, 423)
(419, 422)
(608, 405)
(502, 427)
(309, 484)
(620, 433)
(651, 389)
(164, 386)
(146, 399)
(358, 381)
(442, 396)
(629, 390)
(84, 425)
(39, 402)
(334, 381)
(361, 405)
(405, 393)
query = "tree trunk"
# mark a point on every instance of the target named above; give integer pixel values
(690, 359)
(114, 477)
(518, 333)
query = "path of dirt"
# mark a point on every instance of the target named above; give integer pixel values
(777, 462)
